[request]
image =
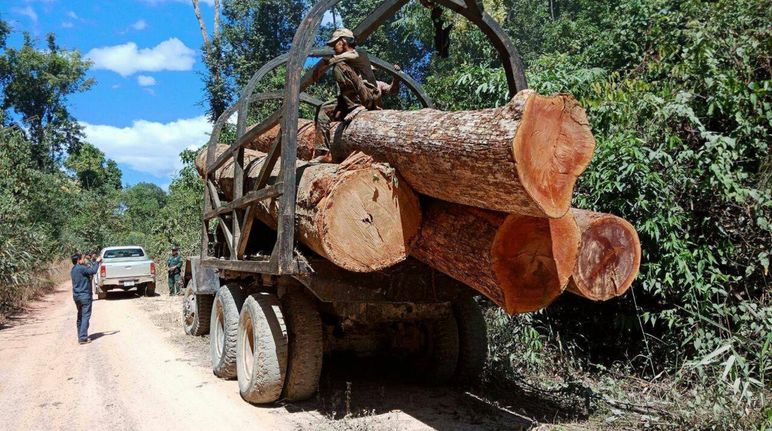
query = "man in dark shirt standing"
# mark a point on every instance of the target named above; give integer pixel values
(81, 273)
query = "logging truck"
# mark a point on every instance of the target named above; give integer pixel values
(385, 248)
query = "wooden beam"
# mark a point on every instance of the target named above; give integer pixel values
(244, 201)
(262, 266)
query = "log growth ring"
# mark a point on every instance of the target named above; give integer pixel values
(609, 259)
(369, 221)
(552, 147)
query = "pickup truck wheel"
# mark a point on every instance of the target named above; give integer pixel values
(196, 310)
(150, 289)
(101, 294)
(261, 357)
(224, 330)
(141, 289)
(473, 340)
(305, 346)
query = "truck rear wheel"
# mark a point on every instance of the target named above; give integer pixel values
(473, 339)
(441, 350)
(261, 357)
(305, 346)
(196, 310)
(150, 289)
(224, 330)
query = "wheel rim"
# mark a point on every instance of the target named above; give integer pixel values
(248, 349)
(219, 330)
(190, 308)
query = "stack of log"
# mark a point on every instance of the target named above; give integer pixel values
(495, 190)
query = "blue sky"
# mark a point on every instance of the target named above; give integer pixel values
(146, 104)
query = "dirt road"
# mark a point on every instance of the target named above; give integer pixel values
(140, 372)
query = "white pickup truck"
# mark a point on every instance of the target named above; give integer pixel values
(124, 268)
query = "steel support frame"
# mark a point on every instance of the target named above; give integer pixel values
(282, 259)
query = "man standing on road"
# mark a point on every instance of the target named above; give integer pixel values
(81, 273)
(174, 267)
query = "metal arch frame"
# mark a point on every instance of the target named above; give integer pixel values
(282, 259)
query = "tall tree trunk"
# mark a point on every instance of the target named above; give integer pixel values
(522, 263)
(609, 256)
(358, 215)
(521, 158)
(200, 19)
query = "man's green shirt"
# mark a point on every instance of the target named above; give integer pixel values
(174, 261)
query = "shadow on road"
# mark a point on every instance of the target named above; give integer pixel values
(364, 388)
(98, 335)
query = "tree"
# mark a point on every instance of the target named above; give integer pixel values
(140, 204)
(34, 86)
(92, 170)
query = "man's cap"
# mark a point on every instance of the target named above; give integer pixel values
(174, 247)
(337, 34)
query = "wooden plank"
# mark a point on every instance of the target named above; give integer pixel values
(243, 140)
(246, 200)
(260, 266)
(270, 162)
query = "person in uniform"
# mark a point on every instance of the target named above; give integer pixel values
(357, 87)
(174, 268)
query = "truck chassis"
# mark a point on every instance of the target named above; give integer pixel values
(272, 308)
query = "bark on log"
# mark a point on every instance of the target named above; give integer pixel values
(358, 214)
(521, 158)
(522, 263)
(609, 256)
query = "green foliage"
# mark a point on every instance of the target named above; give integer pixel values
(92, 170)
(678, 97)
(35, 85)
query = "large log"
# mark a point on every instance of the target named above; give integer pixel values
(609, 256)
(358, 214)
(523, 157)
(522, 263)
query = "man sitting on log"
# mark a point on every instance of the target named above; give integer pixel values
(357, 86)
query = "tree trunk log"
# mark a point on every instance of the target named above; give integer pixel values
(609, 256)
(522, 263)
(358, 214)
(522, 158)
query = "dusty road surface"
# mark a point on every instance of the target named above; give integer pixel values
(142, 373)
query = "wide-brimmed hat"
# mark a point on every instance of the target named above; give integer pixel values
(337, 34)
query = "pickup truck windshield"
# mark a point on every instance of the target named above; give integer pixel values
(123, 252)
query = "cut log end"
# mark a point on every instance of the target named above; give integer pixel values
(609, 257)
(533, 259)
(370, 220)
(552, 147)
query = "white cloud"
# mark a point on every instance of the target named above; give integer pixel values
(139, 25)
(28, 12)
(67, 24)
(145, 81)
(148, 146)
(127, 59)
(72, 15)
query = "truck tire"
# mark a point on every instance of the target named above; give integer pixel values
(141, 288)
(101, 294)
(441, 350)
(150, 289)
(472, 338)
(224, 330)
(196, 310)
(261, 357)
(305, 346)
